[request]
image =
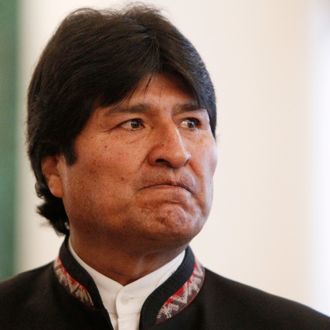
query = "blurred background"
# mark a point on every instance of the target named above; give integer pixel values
(270, 63)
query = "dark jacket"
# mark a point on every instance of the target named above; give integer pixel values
(62, 296)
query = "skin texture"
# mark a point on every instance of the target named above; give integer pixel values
(141, 187)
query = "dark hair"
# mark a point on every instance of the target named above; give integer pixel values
(101, 55)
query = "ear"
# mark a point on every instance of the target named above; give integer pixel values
(50, 166)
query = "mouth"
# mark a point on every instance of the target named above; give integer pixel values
(170, 184)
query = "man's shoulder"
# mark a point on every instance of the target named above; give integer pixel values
(18, 287)
(248, 303)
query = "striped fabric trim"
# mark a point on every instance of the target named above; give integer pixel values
(70, 284)
(184, 296)
(172, 306)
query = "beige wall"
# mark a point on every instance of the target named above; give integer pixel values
(320, 87)
(266, 228)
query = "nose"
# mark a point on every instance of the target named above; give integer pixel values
(169, 149)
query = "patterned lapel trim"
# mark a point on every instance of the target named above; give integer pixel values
(172, 306)
(184, 296)
(70, 284)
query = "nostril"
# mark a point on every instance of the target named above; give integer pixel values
(162, 161)
(174, 162)
(170, 151)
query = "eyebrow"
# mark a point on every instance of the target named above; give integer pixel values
(145, 107)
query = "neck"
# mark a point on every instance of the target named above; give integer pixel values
(121, 264)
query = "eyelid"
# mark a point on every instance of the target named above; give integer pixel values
(198, 113)
(196, 121)
(126, 122)
(200, 117)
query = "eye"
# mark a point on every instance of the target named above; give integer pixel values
(191, 123)
(132, 124)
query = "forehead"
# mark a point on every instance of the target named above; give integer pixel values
(160, 88)
(154, 92)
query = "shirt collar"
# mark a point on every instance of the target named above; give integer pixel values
(169, 299)
(119, 299)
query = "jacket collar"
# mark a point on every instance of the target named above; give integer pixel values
(168, 300)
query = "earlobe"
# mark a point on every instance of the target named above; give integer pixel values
(50, 168)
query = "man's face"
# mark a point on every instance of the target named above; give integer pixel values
(144, 168)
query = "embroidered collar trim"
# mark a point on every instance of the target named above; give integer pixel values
(184, 296)
(70, 284)
(171, 307)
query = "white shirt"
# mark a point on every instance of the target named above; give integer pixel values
(124, 303)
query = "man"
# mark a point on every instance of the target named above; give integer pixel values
(121, 138)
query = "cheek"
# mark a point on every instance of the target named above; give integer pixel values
(110, 172)
(205, 165)
(103, 162)
(209, 166)
(208, 159)
(212, 157)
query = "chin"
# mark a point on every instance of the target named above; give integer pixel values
(176, 231)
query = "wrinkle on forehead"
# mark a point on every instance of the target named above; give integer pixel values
(146, 81)
(140, 100)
